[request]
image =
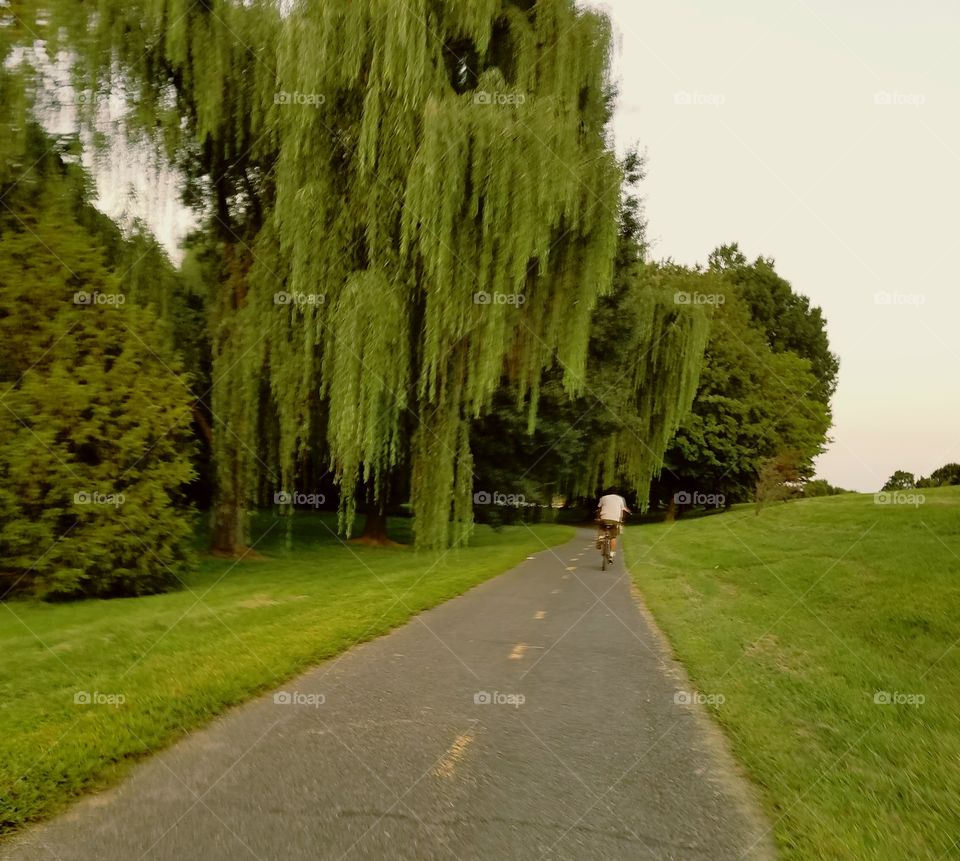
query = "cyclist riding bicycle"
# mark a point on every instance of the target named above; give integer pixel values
(610, 511)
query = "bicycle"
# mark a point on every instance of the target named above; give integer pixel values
(607, 537)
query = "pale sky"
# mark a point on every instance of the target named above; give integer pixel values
(762, 125)
(822, 133)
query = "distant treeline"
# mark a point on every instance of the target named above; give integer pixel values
(948, 474)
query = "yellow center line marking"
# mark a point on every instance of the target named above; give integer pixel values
(540, 614)
(518, 651)
(448, 763)
(571, 568)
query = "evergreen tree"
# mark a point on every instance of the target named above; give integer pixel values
(94, 443)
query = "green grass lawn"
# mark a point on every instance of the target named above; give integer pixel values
(799, 618)
(181, 658)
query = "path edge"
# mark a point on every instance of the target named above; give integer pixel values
(730, 774)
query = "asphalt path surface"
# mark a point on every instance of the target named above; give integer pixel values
(537, 716)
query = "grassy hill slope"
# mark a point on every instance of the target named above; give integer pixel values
(829, 629)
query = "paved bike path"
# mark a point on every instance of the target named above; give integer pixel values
(417, 746)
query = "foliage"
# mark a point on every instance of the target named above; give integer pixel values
(94, 444)
(645, 366)
(617, 430)
(433, 152)
(821, 487)
(786, 318)
(779, 479)
(537, 465)
(367, 173)
(752, 404)
(643, 360)
(947, 474)
(900, 480)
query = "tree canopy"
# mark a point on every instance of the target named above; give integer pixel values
(420, 271)
(391, 162)
(757, 400)
(900, 480)
(946, 475)
(643, 363)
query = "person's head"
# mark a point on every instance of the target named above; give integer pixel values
(611, 491)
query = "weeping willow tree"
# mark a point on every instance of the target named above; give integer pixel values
(647, 347)
(381, 165)
(644, 359)
(648, 388)
(458, 152)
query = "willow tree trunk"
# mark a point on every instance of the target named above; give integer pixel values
(234, 391)
(375, 527)
(671, 513)
(375, 522)
(230, 534)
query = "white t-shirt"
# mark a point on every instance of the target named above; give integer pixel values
(612, 507)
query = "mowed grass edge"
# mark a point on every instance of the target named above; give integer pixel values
(153, 668)
(829, 629)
